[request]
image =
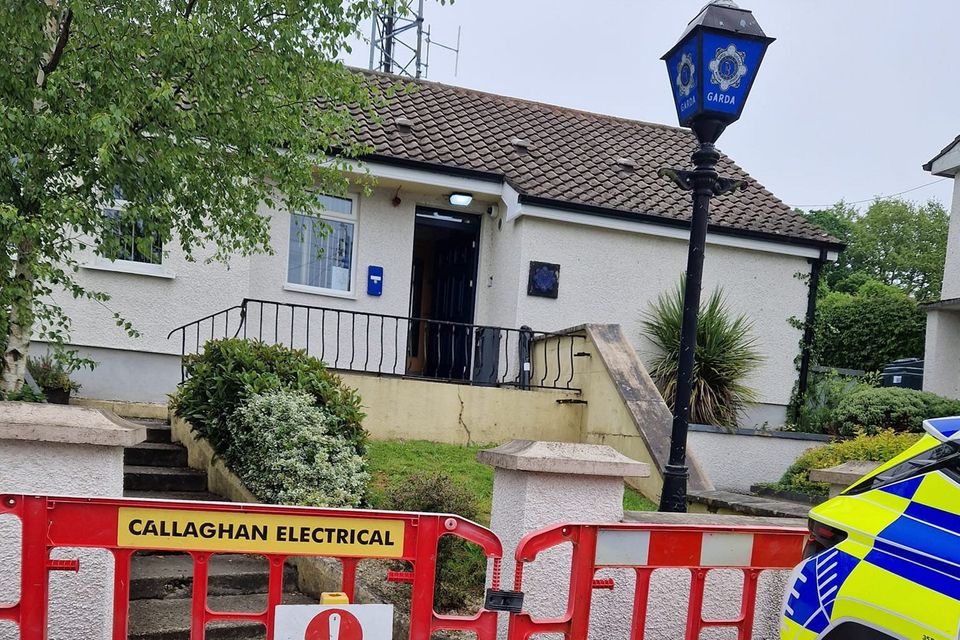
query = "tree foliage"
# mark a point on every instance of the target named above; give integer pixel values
(896, 242)
(875, 326)
(725, 357)
(195, 112)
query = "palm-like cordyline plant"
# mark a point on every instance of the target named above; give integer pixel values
(726, 355)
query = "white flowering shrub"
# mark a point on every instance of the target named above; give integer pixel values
(286, 451)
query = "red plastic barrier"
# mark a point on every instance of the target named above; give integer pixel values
(646, 548)
(124, 527)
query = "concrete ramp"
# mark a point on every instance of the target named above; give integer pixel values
(623, 407)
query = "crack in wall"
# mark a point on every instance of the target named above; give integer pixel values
(460, 419)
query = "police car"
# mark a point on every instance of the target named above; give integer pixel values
(883, 559)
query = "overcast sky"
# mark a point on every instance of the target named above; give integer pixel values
(853, 97)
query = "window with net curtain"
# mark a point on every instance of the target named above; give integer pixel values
(322, 247)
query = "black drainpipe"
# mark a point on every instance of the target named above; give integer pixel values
(815, 269)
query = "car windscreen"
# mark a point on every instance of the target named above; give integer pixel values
(944, 457)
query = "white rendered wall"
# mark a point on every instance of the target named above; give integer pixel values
(502, 277)
(80, 603)
(941, 367)
(735, 462)
(951, 268)
(606, 276)
(609, 276)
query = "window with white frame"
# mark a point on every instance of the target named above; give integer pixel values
(128, 239)
(322, 248)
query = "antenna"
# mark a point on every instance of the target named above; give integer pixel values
(397, 39)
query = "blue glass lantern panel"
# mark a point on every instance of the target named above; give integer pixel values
(682, 67)
(729, 67)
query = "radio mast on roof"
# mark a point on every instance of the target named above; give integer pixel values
(398, 42)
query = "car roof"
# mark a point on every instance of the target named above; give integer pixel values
(943, 429)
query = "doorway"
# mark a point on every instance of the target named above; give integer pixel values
(443, 293)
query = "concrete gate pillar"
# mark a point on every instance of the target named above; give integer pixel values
(536, 484)
(48, 449)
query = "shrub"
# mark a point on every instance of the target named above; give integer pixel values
(50, 373)
(726, 355)
(230, 371)
(826, 392)
(25, 394)
(876, 326)
(872, 410)
(875, 448)
(461, 566)
(285, 452)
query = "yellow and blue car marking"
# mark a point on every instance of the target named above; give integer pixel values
(894, 571)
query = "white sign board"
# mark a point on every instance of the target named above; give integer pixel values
(334, 622)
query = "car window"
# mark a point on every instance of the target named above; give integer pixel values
(945, 456)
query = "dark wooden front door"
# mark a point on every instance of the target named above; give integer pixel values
(443, 293)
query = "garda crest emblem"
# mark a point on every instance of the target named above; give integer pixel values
(686, 75)
(728, 68)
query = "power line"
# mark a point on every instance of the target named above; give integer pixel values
(889, 195)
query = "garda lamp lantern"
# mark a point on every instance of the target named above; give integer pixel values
(711, 70)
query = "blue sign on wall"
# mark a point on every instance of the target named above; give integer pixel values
(374, 280)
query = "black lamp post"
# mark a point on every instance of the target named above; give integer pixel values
(712, 69)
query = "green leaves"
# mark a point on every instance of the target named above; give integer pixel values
(877, 325)
(230, 371)
(876, 448)
(896, 242)
(726, 355)
(199, 112)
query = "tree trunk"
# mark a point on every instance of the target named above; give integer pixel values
(20, 324)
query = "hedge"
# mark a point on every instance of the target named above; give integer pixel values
(865, 331)
(230, 371)
(871, 410)
(876, 448)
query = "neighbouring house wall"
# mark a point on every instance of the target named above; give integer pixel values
(609, 276)
(399, 408)
(941, 366)
(724, 456)
(951, 267)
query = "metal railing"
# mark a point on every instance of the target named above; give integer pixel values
(391, 345)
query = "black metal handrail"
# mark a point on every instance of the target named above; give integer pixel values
(397, 345)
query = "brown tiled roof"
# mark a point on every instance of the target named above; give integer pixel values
(572, 158)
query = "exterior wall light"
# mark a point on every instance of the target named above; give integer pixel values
(461, 199)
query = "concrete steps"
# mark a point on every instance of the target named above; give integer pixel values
(167, 479)
(729, 502)
(191, 496)
(156, 454)
(161, 582)
(157, 430)
(170, 575)
(170, 619)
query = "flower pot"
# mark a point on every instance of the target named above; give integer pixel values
(57, 396)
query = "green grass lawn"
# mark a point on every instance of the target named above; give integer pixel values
(391, 462)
